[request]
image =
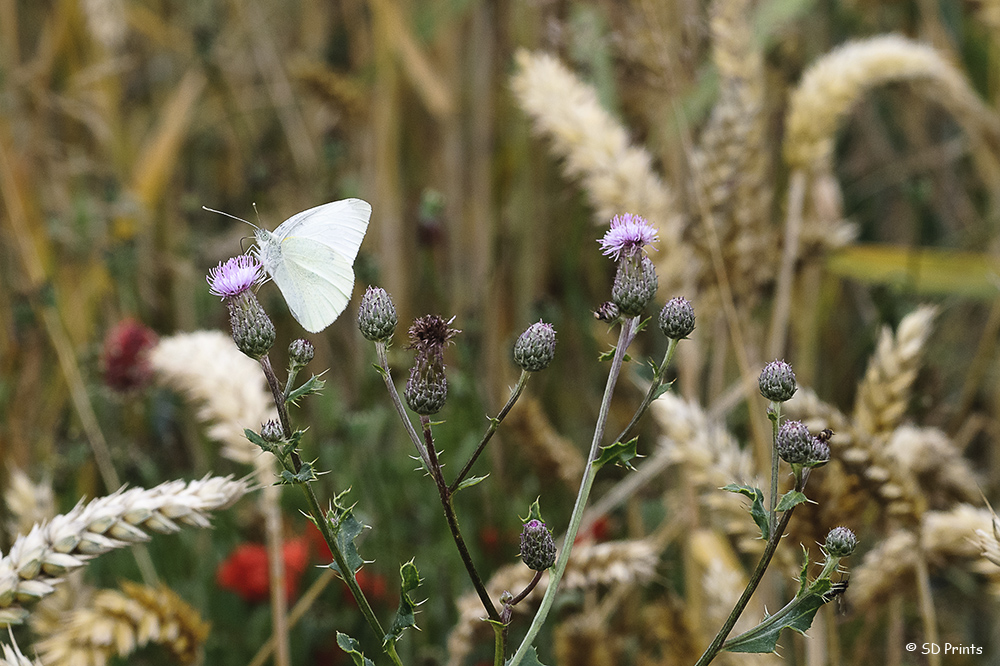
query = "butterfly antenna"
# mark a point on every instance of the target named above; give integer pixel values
(212, 210)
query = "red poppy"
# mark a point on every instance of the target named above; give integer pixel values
(123, 358)
(245, 570)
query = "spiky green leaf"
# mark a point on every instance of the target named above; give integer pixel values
(346, 528)
(620, 453)
(353, 648)
(405, 614)
(791, 499)
(530, 658)
(757, 510)
(313, 385)
(469, 482)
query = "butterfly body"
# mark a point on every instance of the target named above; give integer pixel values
(310, 256)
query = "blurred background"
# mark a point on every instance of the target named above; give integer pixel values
(121, 119)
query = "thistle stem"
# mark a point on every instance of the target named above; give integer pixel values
(494, 424)
(774, 413)
(452, 518)
(651, 392)
(383, 359)
(556, 572)
(765, 559)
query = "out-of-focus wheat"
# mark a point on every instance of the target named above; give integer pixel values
(38, 560)
(227, 386)
(948, 537)
(119, 622)
(618, 177)
(12, 656)
(590, 566)
(27, 502)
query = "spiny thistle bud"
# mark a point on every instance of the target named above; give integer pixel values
(253, 331)
(300, 352)
(534, 350)
(677, 318)
(794, 443)
(427, 387)
(777, 381)
(635, 284)
(819, 454)
(377, 315)
(272, 432)
(538, 548)
(607, 312)
(840, 542)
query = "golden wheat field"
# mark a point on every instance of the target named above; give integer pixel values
(819, 179)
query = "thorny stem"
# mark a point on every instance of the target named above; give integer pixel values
(508, 610)
(294, 465)
(556, 572)
(449, 513)
(494, 424)
(657, 382)
(383, 360)
(765, 559)
(774, 413)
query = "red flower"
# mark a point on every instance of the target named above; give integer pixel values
(598, 531)
(245, 571)
(123, 358)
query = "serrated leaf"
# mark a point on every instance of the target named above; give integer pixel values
(259, 441)
(353, 648)
(470, 481)
(620, 453)
(791, 499)
(306, 474)
(610, 354)
(757, 510)
(530, 658)
(661, 389)
(346, 528)
(313, 385)
(405, 614)
(534, 512)
(798, 615)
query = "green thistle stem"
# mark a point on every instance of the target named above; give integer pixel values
(556, 572)
(774, 413)
(494, 424)
(383, 359)
(657, 382)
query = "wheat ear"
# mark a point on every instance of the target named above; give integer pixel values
(12, 655)
(617, 177)
(119, 622)
(27, 502)
(38, 560)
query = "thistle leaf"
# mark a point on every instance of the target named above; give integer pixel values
(405, 614)
(346, 528)
(353, 648)
(530, 659)
(791, 499)
(757, 510)
(313, 385)
(620, 453)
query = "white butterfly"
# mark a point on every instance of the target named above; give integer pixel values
(310, 256)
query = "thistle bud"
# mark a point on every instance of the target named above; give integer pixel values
(272, 432)
(253, 331)
(635, 284)
(840, 542)
(794, 443)
(607, 312)
(677, 318)
(777, 381)
(538, 548)
(819, 453)
(300, 352)
(534, 350)
(377, 315)
(427, 387)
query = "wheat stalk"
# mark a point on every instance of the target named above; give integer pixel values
(119, 622)
(617, 176)
(38, 560)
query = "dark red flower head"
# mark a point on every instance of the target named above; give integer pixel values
(123, 358)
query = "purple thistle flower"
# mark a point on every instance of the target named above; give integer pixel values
(235, 276)
(628, 234)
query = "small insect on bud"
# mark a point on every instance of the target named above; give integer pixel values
(840, 542)
(300, 352)
(377, 315)
(534, 350)
(677, 318)
(777, 381)
(607, 312)
(794, 443)
(538, 548)
(271, 432)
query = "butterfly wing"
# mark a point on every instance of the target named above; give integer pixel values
(315, 280)
(340, 226)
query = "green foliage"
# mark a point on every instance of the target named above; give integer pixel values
(757, 510)
(405, 614)
(530, 659)
(313, 386)
(353, 648)
(619, 453)
(791, 499)
(346, 528)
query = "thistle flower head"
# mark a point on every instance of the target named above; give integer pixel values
(427, 387)
(628, 235)
(777, 381)
(635, 284)
(538, 548)
(377, 315)
(677, 318)
(794, 443)
(840, 542)
(534, 350)
(300, 352)
(235, 276)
